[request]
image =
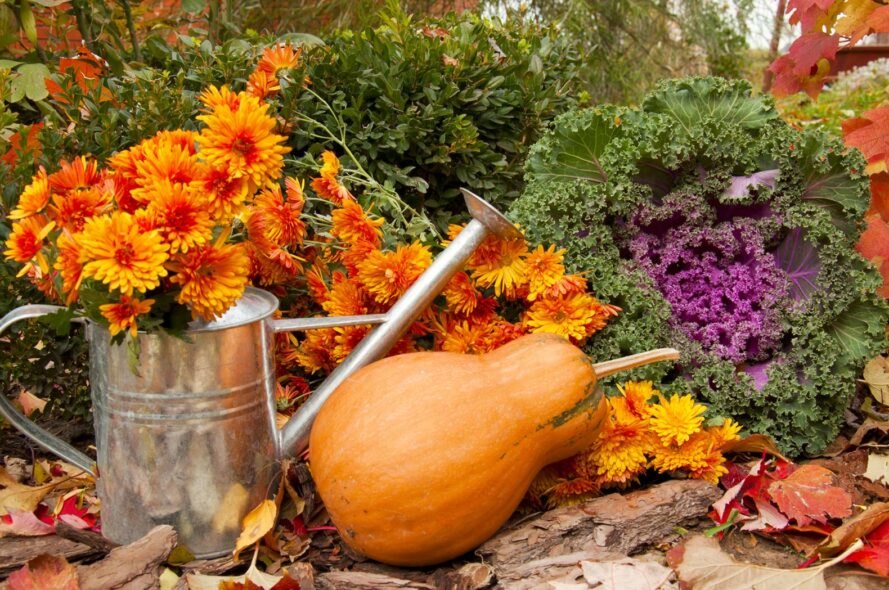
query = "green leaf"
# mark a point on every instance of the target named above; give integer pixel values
(50, 3)
(855, 330)
(30, 82)
(9, 26)
(576, 149)
(194, 6)
(59, 321)
(29, 25)
(306, 39)
(696, 100)
(8, 64)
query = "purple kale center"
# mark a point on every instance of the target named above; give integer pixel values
(726, 290)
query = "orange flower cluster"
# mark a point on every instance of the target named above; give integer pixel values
(158, 220)
(356, 275)
(666, 434)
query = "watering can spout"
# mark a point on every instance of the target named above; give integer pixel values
(486, 221)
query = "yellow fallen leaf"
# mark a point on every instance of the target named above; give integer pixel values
(256, 524)
(19, 496)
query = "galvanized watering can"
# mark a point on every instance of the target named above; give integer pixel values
(191, 439)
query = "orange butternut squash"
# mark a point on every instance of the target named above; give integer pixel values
(422, 457)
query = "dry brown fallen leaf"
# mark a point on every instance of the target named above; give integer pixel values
(876, 375)
(854, 528)
(702, 565)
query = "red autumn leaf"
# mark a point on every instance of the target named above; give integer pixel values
(43, 572)
(808, 495)
(871, 138)
(245, 585)
(879, 195)
(878, 20)
(86, 70)
(874, 245)
(807, 12)
(875, 553)
(32, 144)
(287, 583)
(805, 65)
(809, 49)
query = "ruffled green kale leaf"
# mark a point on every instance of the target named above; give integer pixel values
(695, 100)
(858, 329)
(574, 150)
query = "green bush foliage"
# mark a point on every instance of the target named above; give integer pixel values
(430, 107)
(722, 231)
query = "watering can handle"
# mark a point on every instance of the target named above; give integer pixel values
(24, 425)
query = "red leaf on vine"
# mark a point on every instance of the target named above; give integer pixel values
(807, 12)
(869, 135)
(805, 65)
(878, 20)
(808, 495)
(879, 195)
(874, 245)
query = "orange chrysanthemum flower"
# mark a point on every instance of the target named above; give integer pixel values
(632, 404)
(620, 453)
(179, 213)
(212, 277)
(213, 98)
(331, 166)
(346, 297)
(502, 332)
(123, 314)
(332, 190)
(164, 164)
(70, 266)
(314, 353)
(567, 285)
(225, 192)
(351, 224)
(121, 255)
(80, 173)
(274, 220)
(262, 84)
(571, 317)
(461, 295)
(697, 454)
(676, 419)
(387, 275)
(71, 209)
(545, 268)
(25, 243)
(316, 284)
(726, 432)
(354, 255)
(464, 337)
(345, 341)
(327, 186)
(507, 272)
(282, 56)
(243, 141)
(34, 198)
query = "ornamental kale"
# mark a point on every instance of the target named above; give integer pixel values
(721, 230)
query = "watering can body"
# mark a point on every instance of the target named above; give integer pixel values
(189, 437)
(186, 432)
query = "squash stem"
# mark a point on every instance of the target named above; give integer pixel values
(606, 368)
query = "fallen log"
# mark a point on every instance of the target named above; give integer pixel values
(550, 545)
